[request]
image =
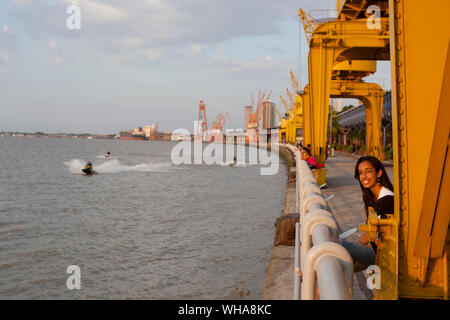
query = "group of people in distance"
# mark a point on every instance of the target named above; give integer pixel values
(377, 193)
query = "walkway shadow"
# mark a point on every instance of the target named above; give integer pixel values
(343, 180)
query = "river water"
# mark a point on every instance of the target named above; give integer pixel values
(142, 228)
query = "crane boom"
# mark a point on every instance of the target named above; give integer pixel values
(286, 106)
(268, 96)
(291, 99)
(258, 107)
(309, 24)
(278, 113)
(294, 82)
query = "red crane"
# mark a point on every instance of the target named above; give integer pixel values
(202, 126)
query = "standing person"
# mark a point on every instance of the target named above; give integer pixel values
(377, 192)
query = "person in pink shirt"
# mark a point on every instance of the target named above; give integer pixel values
(307, 156)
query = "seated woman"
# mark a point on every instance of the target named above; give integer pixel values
(377, 191)
(307, 156)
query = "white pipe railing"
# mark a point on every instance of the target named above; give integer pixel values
(297, 263)
(316, 253)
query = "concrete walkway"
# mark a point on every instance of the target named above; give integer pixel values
(348, 209)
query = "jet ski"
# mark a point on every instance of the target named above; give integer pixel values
(108, 154)
(87, 169)
(234, 162)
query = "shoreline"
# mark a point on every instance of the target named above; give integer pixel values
(279, 281)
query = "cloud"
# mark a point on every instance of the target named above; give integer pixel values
(98, 12)
(57, 59)
(52, 45)
(153, 54)
(274, 47)
(112, 26)
(52, 49)
(6, 30)
(3, 56)
(9, 46)
(195, 50)
(266, 67)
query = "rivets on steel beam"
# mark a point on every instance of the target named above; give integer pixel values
(416, 266)
(400, 79)
(402, 160)
(398, 32)
(403, 192)
(403, 208)
(402, 144)
(401, 111)
(398, 15)
(399, 48)
(400, 95)
(403, 177)
(402, 128)
(399, 64)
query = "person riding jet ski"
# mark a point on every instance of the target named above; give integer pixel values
(88, 168)
(108, 154)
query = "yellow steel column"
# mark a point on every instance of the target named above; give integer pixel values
(420, 35)
(307, 120)
(298, 114)
(320, 61)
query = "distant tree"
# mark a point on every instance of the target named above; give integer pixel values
(336, 129)
(347, 107)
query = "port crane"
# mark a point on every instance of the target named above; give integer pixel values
(202, 126)
(220, 121)
(255, 117)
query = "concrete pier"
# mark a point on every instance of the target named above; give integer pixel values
(348, 209)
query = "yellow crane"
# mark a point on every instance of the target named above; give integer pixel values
(290, 97)
(294, 82)
(309, 24)
(286, 106)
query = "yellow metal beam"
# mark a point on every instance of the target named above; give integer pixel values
(353, 69)
(419, 50)
(371, 95)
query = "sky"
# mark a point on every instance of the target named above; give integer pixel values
(134, 62)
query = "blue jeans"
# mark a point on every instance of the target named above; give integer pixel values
(362, 256)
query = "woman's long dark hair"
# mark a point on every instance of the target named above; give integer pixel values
(308, 151)
(368, 196)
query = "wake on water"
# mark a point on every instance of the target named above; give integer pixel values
(114, 166)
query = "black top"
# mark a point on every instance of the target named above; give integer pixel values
(383, 206)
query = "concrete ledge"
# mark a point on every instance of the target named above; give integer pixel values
(279, 283)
